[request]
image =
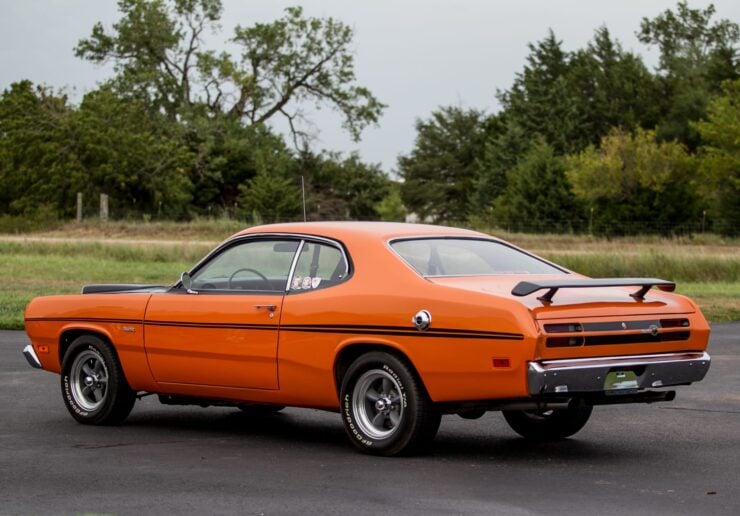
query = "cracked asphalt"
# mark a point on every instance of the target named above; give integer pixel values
(680, 457)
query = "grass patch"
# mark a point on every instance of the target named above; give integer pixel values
(683, 266)
(26, 275)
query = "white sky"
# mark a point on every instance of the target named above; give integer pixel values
(414, 55)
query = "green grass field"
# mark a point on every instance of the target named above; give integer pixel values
(59, 262)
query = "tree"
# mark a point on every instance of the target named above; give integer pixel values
(36, 168)
(634, 184)
(341, 188)
(696, 55)
(613, 88)
(540, 102)
(133, 155)
(720, 158)
(440, 172)
(107, 145)
(158, 51)
(538, 197)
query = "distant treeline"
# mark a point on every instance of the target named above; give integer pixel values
(590, 140)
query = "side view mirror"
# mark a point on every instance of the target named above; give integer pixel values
(187, 283)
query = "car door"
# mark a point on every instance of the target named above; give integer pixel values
(224, 331)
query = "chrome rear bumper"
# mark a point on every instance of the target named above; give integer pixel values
(589, 375)
(31, 356)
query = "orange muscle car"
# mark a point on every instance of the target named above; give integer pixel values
(391, 325)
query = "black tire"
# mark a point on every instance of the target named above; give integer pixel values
(94, 388)
(260, 410)
(550, 425)
(385, 407)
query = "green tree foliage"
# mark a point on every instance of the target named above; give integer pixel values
(720, 158)
(270, 197)
(340, 188)
(391, 208)
(634, 184)
(181, 130)
(538, 197)
(35, 169)
(441, 170)
(569, 99)
(540, 102)
(108, 145)
(158, 51)
(696, 55)
(612, 88)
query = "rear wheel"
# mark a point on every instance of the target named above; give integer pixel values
(94, 388)
(385, 408)
(549, 425)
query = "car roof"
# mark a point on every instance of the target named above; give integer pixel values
(347, 230)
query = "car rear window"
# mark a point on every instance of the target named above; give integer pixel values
(468, 257)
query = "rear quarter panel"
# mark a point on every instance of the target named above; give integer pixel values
(376, 306)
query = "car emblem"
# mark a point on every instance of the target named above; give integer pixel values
(653, 330)
(624, 325)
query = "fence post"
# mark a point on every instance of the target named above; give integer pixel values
(79, 207)
(103, 207)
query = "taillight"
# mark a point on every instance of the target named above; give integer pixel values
(563, 328)
(674, 323)
(563, 342)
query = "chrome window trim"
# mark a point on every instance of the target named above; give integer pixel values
(293, 265)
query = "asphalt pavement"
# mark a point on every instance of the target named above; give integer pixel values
(681, 457)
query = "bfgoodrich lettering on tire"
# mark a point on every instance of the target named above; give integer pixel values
(94, 388)
(384, 406)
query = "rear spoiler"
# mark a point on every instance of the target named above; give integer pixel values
(524, 288)
(119, 288)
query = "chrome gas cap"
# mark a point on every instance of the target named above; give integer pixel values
(422, 320)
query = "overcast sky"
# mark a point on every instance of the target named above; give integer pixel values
(414, 55)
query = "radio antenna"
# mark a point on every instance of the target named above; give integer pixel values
(303, 193)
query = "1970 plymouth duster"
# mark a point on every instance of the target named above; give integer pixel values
(391, 325)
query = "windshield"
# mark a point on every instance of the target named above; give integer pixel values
(468, 257)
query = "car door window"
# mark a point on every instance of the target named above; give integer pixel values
(320, 265)
(256, 265)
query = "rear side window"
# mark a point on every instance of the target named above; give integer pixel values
(468, 257)
(319, 265)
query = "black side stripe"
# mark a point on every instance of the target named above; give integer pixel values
(397, 331)
(85, 319)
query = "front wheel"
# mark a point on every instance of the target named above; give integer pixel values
(385, 408)
(548, 425)
(94, 387)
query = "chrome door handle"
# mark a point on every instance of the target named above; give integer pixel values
(270, 308)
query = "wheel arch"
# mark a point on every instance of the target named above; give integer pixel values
(349, 353)
(68, 336)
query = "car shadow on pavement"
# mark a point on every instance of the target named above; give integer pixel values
(323, 432)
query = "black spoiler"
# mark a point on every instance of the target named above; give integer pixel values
(524, 288)
(111, 288)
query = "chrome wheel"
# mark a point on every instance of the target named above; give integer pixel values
(377, 403)
(89, 380)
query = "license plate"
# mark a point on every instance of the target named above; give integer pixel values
(621, 382)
